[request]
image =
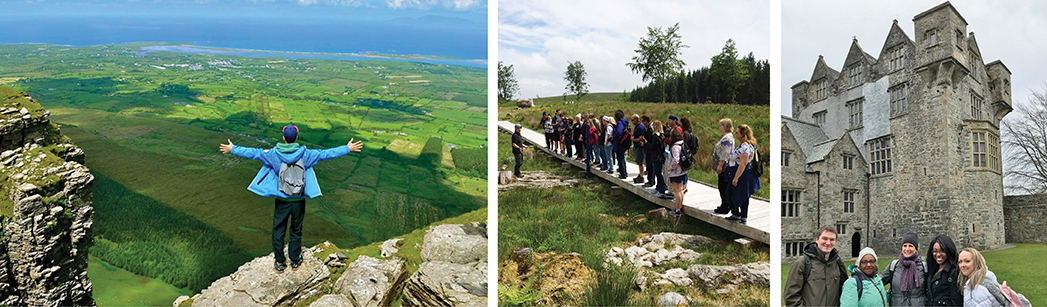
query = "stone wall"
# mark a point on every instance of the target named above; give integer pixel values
(1024, 218)
(45, 209)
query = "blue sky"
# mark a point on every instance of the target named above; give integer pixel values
(473, 10)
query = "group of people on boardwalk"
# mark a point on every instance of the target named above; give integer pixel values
(951, 278)
(661, 150)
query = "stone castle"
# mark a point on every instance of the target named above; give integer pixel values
(908, 141)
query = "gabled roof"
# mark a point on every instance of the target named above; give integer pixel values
(972, 45)
(812, 139)
(896, 37)
(856, 54)
(822, 70)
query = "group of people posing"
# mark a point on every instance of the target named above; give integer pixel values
(949, 278)
(661, 150)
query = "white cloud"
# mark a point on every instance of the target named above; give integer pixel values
(426, 4)
(540, 38)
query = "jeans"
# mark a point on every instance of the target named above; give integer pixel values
(608, 158)
(519, 162)
(656, 169)
(295, 212)
(598, 154)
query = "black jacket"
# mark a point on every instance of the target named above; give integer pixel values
(942, 288)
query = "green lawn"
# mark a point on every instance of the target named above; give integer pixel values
(1010, 265)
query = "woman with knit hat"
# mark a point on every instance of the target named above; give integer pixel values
(906, 275)
(865, 287)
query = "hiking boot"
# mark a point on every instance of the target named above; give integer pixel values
(648, 185)
(280, 267)
(638, 180)
(734, 218)
(295, 265)
(666, 196)
(722, 210)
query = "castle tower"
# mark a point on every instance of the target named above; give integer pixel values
(925, 116)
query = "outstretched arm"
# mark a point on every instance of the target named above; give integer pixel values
(327, 154)
(240, 151)
(357, 147)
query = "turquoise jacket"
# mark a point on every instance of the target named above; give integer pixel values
(873, 293)
(267, 183)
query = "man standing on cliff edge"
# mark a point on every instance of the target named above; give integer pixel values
(287, 175)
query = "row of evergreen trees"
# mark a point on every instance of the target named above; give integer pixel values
(747, 82)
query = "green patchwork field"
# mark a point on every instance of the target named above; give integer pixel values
(150, 125)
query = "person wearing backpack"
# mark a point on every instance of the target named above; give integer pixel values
(287, 175)
(740, 168)
(865, 287)
(816, 278)
(979, 284)
(621, 142)
(691, 142)
(649, 152)
(608, 144)
(677, 174)
(906, 275)
(579, 137)
(656, 148)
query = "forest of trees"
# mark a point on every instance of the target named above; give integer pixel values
(713, 85)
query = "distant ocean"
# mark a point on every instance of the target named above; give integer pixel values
(296, 35)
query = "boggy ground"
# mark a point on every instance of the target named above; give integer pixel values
(553, 243)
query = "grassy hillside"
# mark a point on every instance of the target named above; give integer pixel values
(704, 120)
(152, 123)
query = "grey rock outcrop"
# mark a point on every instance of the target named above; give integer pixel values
(710, 276)
(372, 282)
(524, 103)
(675, 276)
(45, 209)
(672, 299)
(391, 246)
(455, 269)
(256, 283)
(455, 243)
(333, 300)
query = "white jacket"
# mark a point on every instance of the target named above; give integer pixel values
(980, 296)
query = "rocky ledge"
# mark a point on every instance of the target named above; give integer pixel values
(453, 273)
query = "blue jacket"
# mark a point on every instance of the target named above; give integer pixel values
(267, 183)
(619, 132)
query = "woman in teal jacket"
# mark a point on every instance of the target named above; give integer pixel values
(870, 292)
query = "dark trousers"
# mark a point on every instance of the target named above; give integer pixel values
(549, 140)
(740, 193)
(578, 148)
(722, 184)
(293, 211)
(657, 170)
(568, 146)
(519, 162)
(620, 155)
(649, 164)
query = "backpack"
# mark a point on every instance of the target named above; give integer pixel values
(593, 136)
(292, 178)
(623, 132)
(1014, 298)
(686, 158)
(758, 167)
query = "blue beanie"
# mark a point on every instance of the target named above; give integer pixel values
(290, 133)
(673, 117)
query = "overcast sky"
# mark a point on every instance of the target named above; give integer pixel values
(1010, 31)
(540, 38)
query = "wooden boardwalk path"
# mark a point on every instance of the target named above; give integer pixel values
(699, 201)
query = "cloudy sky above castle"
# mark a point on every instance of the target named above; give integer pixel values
(1010, 31)
(540, 38)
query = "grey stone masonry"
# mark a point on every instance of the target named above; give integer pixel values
(1024, 218)
(923, 121)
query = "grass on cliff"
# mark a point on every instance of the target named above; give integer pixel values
(587, 220)
(1010, 265)
(704, 123)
